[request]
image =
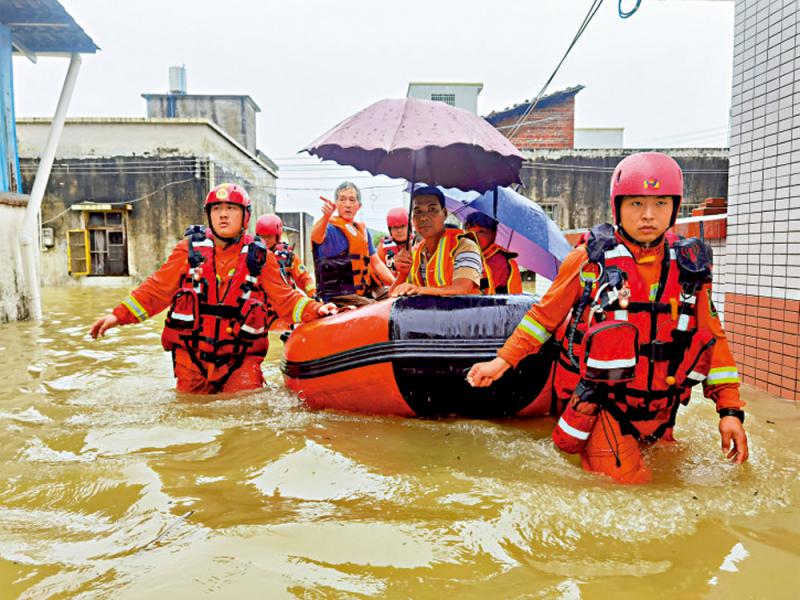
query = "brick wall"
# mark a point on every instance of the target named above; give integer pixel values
(549, 127)
(763, 254)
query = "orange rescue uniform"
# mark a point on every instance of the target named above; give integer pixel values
(158, 290)
(501, 271)
(545, 318)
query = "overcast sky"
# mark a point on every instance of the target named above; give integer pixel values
(664, 74)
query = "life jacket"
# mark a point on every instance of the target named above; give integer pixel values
(347, 272)
(644, 352)
(285, 255)
(218, 331)
(489, 283)
(439, 269)
(387, 250)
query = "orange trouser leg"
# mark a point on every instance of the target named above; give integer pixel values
(246, 377)
(607, 446)
(190, 379)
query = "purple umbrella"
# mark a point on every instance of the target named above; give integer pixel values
(420, 140)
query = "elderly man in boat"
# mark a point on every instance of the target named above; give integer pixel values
(447, 262)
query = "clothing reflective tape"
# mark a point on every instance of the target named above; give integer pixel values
(246, 295)
(438, 259)
(723, 375)
(653, 291)
(181, 316)
(136, 309)
(251, 279)
(619, 251)
(245, 248)
(569, 429)
(205, 243)
(310, 288)
(683, 322)
(252, 331)
(689, 299)
(534, 329)
(621, 315)
(672, 255)
(297, 313)
(619, 363)
(695, 376)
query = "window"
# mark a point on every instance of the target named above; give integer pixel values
(446, 98)
(107, 243)
(551, 210)
(78, 251)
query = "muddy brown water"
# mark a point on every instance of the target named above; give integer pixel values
(113, 486)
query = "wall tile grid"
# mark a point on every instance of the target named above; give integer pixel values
(762, 270)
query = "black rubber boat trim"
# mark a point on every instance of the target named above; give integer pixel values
(484, 349)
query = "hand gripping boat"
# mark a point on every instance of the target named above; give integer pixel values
(410, 356)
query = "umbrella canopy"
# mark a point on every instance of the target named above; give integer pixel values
(523, 227)
(420, 140)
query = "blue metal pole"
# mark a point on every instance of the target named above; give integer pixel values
(9, 158)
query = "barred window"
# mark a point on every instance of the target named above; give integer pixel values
(551, 210)
(446, 98)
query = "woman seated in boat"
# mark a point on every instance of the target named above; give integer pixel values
(655, 332)
(500, 270)
(447, 262)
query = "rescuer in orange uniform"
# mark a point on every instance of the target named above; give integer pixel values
(632, 310)
(270, 229)
(390, 246)
(500, 270)
(223, 288)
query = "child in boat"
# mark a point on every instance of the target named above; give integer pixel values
(655, 331)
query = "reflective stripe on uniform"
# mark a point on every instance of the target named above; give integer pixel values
(621, 315)
(534, 329)
(619, 363)
(206, 243)
(310, 289)
(723, 375)
(569, 429)
(297, 313)
(695, 376)
(653, 291)
(251, 331)
(132, 304)
(683, 322)
(619, 251)
(181, 316)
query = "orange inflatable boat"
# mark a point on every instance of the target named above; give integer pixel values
(410, 356)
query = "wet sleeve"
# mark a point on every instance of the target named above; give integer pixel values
(286, 301)
(157, 291)
(543, 319)
(722, 383)
(467, 263)
(303, 279)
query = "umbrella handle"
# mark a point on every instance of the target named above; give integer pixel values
(411, 199)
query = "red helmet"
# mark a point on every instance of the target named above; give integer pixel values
(647, 174)
(397, 217)
(233, 194)
(269, 225)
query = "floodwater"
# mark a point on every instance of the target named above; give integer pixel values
(113, 486)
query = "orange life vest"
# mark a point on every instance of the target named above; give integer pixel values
(439, 269)
(489, 283)
(668, 354)
(219, 329)
(347, 272)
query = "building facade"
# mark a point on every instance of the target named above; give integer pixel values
(763, 253)
(122, 191)
(460, 95)
(549, 124)
(572, 186)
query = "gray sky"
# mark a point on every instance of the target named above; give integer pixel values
(664, 74)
